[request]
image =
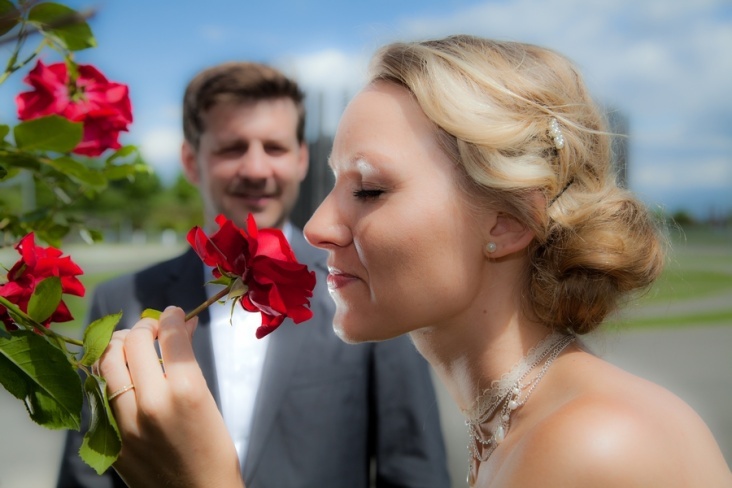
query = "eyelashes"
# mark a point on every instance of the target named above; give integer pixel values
(367, 194)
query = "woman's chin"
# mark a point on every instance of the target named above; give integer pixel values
(357, 335)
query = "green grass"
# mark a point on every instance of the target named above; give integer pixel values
(699, 267)
(684, 283)
(722, 317)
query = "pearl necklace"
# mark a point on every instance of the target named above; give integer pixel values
(508, 394)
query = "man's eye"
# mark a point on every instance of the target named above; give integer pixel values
(232, 151)
(275, 150)
(367, 194)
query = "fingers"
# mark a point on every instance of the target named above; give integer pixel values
(113, 368)
(142, 358)
(170, 425)
(175, 338)
(131, 359)
(184, 376)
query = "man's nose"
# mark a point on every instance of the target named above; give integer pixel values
(254, 164)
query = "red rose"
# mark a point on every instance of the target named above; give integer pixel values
(104, 107)
(277, 285)
(36, 264)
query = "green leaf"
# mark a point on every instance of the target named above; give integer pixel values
(9, 16)
(63, 23)
(123, 152)
(79, 172)
(40, 374)
(50, 133)
(222, 280)
(121, 171)
(18, 316)
(45, 299)
(97, 336)
(102, 442)
(22, 161)
(4, 129)
(10, 377)
(150, 313)
(3, 172)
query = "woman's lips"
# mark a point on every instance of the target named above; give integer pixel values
(338, 279)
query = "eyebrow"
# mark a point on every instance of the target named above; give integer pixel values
(360, 163)
(366, 168)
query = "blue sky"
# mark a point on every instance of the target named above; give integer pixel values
(665, 64)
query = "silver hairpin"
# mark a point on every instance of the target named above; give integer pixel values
(556, 133)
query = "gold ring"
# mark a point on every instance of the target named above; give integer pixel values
(120, 391)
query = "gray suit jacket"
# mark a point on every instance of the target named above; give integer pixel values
(325, 412)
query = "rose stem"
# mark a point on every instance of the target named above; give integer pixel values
(207, 303)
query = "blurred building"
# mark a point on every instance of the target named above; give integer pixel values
(620, 127)
(318, 181)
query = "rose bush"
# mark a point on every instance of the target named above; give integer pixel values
(72, 113)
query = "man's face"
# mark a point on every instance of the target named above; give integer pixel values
(248, 161)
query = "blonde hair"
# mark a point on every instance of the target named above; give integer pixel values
(493, 103)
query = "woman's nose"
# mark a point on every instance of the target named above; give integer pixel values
(326, 228)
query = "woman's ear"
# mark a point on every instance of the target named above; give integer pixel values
(507, 236)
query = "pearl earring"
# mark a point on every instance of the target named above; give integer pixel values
(491, 247)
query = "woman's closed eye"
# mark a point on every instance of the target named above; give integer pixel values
(368, 193)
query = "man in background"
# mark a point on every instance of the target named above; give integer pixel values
(303, 408)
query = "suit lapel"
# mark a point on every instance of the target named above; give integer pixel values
(282, 353)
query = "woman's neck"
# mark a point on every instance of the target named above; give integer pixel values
(487, 338)
(468, 355)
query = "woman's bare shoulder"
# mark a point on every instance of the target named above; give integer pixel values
(620, 431)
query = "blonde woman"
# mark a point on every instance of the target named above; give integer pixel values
(475, 209)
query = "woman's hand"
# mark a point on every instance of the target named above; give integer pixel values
(172, 432)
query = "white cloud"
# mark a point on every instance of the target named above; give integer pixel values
(639, 54)
(330, 69)
(160, 147)
(330, 77)
(713, 173)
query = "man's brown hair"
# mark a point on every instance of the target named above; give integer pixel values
(236, 82)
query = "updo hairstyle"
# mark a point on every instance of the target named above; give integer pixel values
(493, 103)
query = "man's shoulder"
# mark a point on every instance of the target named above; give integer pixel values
(152, 276)
(164, 269)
